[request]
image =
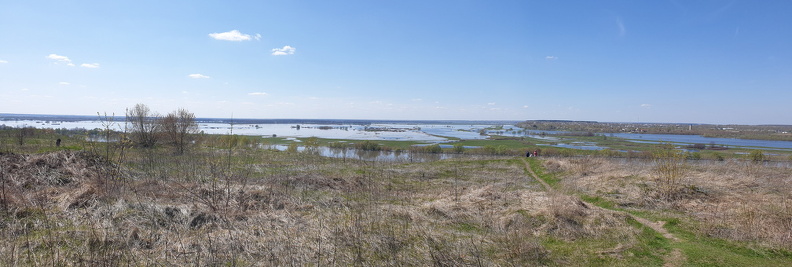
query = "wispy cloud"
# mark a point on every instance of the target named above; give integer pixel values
(64, 83)
(718, 12)
(257, 37)
(198, 76)
(90, 65)
(646, 106)
(3, 61)
(551, 57)
(257, 93)
(59, 58)
(286, 50)
(622, 29)
(233, 35)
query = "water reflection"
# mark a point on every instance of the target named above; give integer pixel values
(368, 155)
(698, 139)
(578, 145)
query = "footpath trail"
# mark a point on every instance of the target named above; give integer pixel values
(675, 258)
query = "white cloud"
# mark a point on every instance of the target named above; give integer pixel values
(491, 103)
(646, 105)
(233, 35)
(3, 61)
(59, 58)
(551, 57)
(90, 65)
(286, 50)
(64, 83)
(198, 76)
(257, 93)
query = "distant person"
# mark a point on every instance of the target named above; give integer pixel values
(536, 153)
(528, 154)
(57, 142)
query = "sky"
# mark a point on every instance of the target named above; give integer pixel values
(696, 61)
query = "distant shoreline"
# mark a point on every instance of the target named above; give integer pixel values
(47, 117)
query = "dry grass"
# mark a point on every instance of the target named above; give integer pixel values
(734, 200)
(265, 208)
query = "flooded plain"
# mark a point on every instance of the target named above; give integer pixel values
(417, 131)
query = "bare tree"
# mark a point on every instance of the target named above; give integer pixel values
(144, 125)
(23, 132)
(178, 127)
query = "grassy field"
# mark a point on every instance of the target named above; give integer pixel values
(226, 202)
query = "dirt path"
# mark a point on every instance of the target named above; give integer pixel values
(675, 258)
(536, 177)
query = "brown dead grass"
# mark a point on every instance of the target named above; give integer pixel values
(733, 200)
(274, 208)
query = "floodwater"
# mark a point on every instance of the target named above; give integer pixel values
(579, 145)
(393, 132)
(697, 139)
(429, 133)
(379, 156)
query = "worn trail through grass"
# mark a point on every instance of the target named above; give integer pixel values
(675, 258)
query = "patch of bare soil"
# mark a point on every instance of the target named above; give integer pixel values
(657, 226)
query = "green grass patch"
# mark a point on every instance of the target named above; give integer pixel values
(715, 252)
(600, 202)
(708, 251)
(467, 227)
(651, 246)
(589, 252)
(549, 178)
(512, 144)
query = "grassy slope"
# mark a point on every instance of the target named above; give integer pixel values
(699, 250)
(253, 206)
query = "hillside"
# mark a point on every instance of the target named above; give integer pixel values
(263, 208)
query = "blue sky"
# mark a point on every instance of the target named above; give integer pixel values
(651, 61)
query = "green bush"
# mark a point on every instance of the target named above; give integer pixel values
(459, 148)
(436, 149)
(368, 146)
(756, 156)
(693, 156)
